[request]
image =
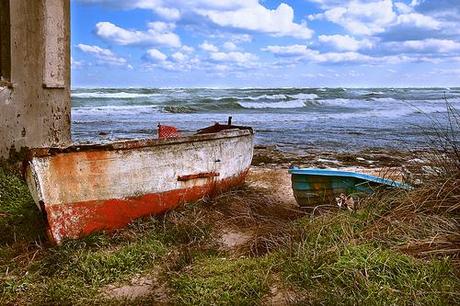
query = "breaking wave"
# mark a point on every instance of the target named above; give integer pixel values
(280, 105)
(110, 95)
(302, 96)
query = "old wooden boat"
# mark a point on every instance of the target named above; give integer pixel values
(318, 186)
(87, 188)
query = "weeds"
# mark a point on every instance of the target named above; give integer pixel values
(216, 281)
(372, 275)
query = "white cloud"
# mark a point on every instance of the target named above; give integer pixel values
(158, 33)
(359, 17)
(301, 52)
(345, 42)
(257, 18)
(231, 46)
(165, 12)
(177, 66)
(418, 20)
(325, 4)
(105, 56)
(209, 47)
(179, 57)
(372, 17)
(248, 15)
(341, 57)
(187, 49)
(289, 51)
(156, 55)
(403, 8)
(240, 38)
(236, 57)
(427, 45)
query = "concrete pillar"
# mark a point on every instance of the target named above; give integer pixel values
(35, 74)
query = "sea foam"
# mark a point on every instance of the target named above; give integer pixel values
(262, 105)
(108, 95)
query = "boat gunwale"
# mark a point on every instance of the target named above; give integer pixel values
(349, 174)
(139, 143)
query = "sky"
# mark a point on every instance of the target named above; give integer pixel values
(265, 43)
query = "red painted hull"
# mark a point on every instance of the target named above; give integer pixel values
(78, 220)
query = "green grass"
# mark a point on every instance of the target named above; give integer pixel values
(19, 217)
(367, 274)
(337, 262)
(217, 281)
(75, 271)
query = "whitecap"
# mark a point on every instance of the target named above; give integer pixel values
(336, 102)
(119, 110)
(267, 97)
(303, 96)
(109, 95)
(384, 100)
(284, 104)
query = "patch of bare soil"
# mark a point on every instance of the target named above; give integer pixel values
(253, 220)
(139, 287)
(280, 295)
(232, 239)
(275, 182)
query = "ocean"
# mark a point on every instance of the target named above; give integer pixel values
(343, 119)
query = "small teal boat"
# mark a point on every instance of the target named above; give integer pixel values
(318, 186)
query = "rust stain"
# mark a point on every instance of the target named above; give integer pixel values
(75, 220)
(60, 167)
(184, 178)
(98, 163)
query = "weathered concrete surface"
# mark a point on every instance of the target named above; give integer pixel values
(35, 112)
(91, 188)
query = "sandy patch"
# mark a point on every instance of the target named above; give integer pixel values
(280, 296)
(277, 182)
(139, 287)
(231, 239)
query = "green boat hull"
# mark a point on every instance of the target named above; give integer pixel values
(314, 187)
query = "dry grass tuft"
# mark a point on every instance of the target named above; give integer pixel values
(256, 211)
(425, 221)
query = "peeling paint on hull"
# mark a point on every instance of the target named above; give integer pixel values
(81, 219)
(82, 190)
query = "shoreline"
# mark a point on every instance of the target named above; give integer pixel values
(371, 158)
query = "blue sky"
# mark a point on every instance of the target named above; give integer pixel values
(265, 43)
